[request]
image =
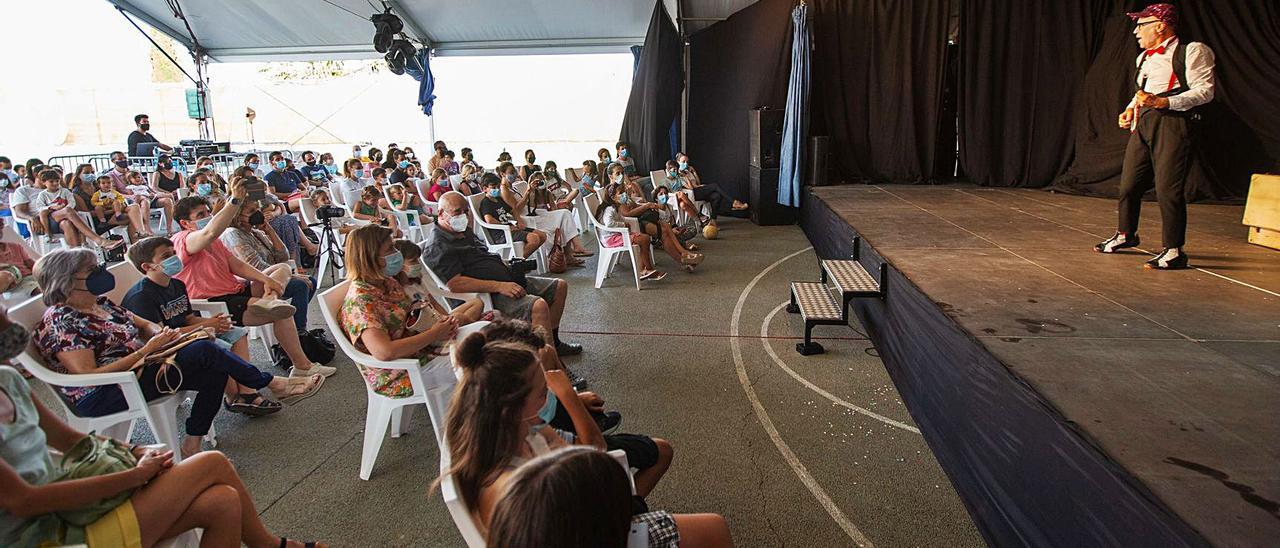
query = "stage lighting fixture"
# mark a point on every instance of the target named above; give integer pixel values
(401, 54)
(386, 27)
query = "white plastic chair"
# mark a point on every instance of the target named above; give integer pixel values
(607, 257)
(702, 207)
(441, 291)
(430, 382)
(423, 186)
(161, 413)
(44, 243)
(263, 333)
(508, 248)
(408, 218)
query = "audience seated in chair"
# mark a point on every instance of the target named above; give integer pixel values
(84, 332)
(56, 208)
(501, 206)
(379, 318)
(157, 499)
(253, 297)
(530, 165)
(552, 213)
(579, 497)
(254, 240)
(706, 192)
(372, 208)
(464, 263)
(163, 300)
(609, 215)
(649, 218)
(351, 182)
(470, 183)
(686, 230)
(283, 182)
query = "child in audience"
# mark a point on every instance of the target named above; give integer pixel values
(469, 159)
(439, 185)
(15, 269)
(372, 208)
(685, 231)
(580, 497)
(6, 189)
(449, 166)
(563, 192)
(288, 230)
(379, 175)
(405, 200)
(470, 183)
(138, 190)
(590, 177)
(343, 224)
(609, 215)
(56, 207)
(107, 201)
(201, 184)
(426, 310)
(351, 181)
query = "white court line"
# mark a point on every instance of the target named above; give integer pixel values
(765, 422)
(764, 334)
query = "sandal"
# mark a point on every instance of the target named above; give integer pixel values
(108, 243)
(583, 253)
(252, 404)
(291, 399)
(284, 543)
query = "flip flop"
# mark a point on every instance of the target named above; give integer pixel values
(295, 398)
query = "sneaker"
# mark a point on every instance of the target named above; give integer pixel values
(568, 349)
(1117, 242)
(315, 369)
(265, 311)
(1172, 258)
(579, 383)
(608, 422)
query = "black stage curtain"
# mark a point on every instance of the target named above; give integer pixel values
(1018, 84)
(655, 94)
(877, 81)
(1240, 133)
(735, 65)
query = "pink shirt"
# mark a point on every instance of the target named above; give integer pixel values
(118, 180)
(207, 273)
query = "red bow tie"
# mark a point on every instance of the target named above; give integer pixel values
(1155, 51)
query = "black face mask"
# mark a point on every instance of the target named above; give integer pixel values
(531, 159)
(144, 127)
(311, 163)
(100, 281)
(166, 165)
(256, 218)
(122, 163)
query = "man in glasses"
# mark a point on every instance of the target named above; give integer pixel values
(1173, 78)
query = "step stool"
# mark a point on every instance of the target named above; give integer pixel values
(816, 305)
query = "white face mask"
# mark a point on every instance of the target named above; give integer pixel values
(458, 223)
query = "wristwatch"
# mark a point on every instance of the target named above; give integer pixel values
(235, 201)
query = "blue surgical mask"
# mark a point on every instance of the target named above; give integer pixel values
(201, 223)
(671, 173)
(281, 164)
(403, 164)
(548, 411)
(204, 189)
(171, 266)
(444, 182)
(495, 193)
(332, 169)
(253, 166)
(359, 173)
(395, 263)
(624, 153)
(624, 198)
(662, 199)
(684, 166)
(88, 177)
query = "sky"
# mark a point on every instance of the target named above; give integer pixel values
(62, 109)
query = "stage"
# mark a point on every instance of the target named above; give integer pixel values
(1075, 398)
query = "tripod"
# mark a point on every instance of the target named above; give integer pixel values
(331, 257)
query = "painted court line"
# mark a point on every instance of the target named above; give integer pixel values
(765, 422)
(764, 335)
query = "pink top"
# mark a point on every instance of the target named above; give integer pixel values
(207, 273)
(16, 255)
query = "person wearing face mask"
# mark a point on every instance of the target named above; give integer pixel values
(439, 185)
(162, 299)
(501, 206)
(457, 255)
(253, 297)
(201, 184)
(469, 158)
(254, 163)
(83, 332)
(603, 159)
(553, 214)
(499, 414)
(721, 203)
(437, 157)
(312, 170)
(326, 161)
(55, 206)
(375, 313)
(165, 183)
(426, 307)
(470, 183)
(647, 213)
(143, 135)
(285, 184)
(255, 240)
(350, 182)
(374, 159)
(6, 167)
(530, 165)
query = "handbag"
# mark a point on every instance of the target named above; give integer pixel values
(115, 254)
(556, 261)
(318, 348)
(93, 456)
(167, 358)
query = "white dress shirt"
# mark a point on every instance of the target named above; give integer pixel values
(1158, 73)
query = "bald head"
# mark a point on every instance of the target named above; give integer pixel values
(453, 205)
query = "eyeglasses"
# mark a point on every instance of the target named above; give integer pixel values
(1139, 25)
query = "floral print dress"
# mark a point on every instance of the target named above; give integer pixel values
(64, 329)
(379, 305)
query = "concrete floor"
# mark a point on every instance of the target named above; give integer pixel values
(815, 451)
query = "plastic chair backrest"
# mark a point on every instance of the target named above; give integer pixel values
(308, 210)
(11, 235)
(126, 276)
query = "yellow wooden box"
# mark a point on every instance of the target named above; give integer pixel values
(1262, 211)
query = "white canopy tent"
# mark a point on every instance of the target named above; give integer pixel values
(302, 30)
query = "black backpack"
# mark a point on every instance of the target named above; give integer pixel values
(315, 344)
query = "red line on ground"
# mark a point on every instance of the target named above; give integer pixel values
(709, 335)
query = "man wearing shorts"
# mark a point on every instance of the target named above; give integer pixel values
(500, 206)
(464, 262)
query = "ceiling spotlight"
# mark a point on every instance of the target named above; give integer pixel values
(386, 26)
(401, 54)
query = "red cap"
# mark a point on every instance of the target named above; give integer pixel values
(1166, 13)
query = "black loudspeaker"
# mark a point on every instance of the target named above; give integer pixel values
(766, 137)
(765, 210)
(819, 159)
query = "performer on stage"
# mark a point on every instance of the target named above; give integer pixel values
(1173, 78)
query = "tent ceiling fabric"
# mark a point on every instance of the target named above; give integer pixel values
(299, 30)
(273, 30)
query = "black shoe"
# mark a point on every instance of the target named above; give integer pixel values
(1117, 242)
(1172, 258)
(577, 381)
(609, 421)
(568, 349)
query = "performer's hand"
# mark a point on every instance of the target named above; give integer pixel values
(1126, 118)
(1144, 99)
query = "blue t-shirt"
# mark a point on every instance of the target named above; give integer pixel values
(311, 172)
(283, 181)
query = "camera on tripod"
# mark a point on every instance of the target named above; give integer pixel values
(324, 213)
